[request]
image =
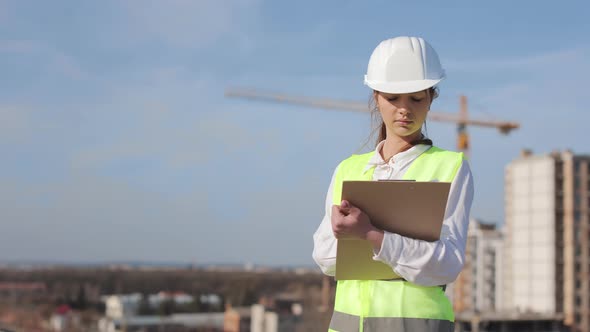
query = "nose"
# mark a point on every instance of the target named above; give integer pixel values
(404, 109)
(403, 106)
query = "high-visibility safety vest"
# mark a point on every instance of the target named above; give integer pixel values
(397, 305)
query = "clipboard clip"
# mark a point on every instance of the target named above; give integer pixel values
(392, 180)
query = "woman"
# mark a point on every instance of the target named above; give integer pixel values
(403, 73)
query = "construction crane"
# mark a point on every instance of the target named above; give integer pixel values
(462, 119)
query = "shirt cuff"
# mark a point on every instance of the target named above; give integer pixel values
(391, 249)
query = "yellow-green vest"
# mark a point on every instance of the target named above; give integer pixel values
(399, 305)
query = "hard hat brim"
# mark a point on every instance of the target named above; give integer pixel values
(402, 87)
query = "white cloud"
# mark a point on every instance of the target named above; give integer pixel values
(559, 84)
(55, 59)
(170, 118)
(542, 61)
(172, 139)
(190, 24)
(530, 85)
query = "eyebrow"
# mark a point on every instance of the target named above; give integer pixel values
(413, 94)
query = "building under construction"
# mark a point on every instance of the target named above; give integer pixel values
(479, 286)
(544, 270)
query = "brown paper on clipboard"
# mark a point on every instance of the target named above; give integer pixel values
(409, 208)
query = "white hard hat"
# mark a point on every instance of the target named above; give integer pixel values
(403, 65)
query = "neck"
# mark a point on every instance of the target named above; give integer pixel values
(396, 144)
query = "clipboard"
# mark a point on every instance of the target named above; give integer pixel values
(409, 208)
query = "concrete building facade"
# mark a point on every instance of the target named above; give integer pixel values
(479, 286)
(546, 257)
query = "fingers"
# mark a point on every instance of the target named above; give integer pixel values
(344, 219)
(345, 208)
(336, 211)
(341, 210)
(337, 216)
(338, 221)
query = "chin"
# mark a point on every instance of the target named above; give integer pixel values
(405, 133)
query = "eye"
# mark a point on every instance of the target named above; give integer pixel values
(394, 98)
(417, 99)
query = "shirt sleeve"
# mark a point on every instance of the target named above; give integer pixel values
(324, 241)
(439, 262)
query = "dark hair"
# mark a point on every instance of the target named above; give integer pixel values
(380, 126)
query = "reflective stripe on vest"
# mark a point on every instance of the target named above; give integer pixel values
(349, 323)
(377, 305)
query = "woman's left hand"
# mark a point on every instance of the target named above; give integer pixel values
(349, 221)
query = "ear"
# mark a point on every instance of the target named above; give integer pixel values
(376, 99)
(431, 96)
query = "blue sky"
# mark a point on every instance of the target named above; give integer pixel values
(117, 142)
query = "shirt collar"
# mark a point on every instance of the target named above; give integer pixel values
(401, 159)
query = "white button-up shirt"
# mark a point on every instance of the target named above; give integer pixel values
(421, 262)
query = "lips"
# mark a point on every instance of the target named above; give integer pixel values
(404, 122)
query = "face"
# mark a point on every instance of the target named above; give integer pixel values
(403, 114)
